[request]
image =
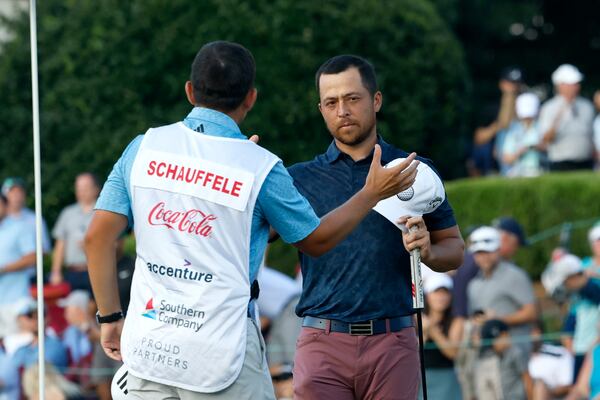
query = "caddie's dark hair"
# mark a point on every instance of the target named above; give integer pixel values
(341, 63)
(222, 75)
(3, 199)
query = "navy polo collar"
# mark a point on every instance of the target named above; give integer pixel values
(387, 152)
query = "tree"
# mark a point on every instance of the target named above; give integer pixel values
(111, 69)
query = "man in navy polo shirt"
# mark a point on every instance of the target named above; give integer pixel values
(358, 340)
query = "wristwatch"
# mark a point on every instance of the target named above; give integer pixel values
(107, 319)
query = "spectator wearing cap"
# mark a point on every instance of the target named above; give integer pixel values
(17, 256)
(501, 372)
(69, 232)
(442, 335)
(520, 151)
(15, 192)
(493, 121)
(501, 290)
(566, 123)
(512, 237)
(77, 315)
(27, 354)
(568, 273)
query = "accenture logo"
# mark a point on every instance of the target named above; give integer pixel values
(192, 221)
(178, 315)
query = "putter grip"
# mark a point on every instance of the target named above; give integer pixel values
(417, 280)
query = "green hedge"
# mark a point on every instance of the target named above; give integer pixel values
(541, 204)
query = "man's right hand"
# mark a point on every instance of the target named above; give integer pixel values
(110, 339)
(384, 182)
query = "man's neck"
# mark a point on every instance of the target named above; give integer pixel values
(490, 271)
(359, 151)
(568, 100)
(87, 207)
(14, 211)
(238, 115)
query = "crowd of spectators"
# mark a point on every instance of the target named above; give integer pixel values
(521, 137)
(77, 367)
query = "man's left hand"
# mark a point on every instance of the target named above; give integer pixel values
(418, 238)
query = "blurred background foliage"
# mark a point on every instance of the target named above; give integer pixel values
(110, 69)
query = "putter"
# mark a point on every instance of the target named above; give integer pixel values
(418, 305)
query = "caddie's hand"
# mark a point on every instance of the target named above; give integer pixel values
(110, 339)
(416, 238)
(254, 138)
(383, 182)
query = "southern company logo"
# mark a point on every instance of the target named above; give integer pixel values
(179, 315)
(150, 311)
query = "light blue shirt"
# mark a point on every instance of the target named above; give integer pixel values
(278, 205)
(55, 352)
(17, 239)
(9, 376)
(28, 215)
(77, 343)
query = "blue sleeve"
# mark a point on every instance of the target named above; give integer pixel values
(27, 241)
(591, 292)
(288, 212)
(115, 196)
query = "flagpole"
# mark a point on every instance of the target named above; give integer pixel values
(39, 252)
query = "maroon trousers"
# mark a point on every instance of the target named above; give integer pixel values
(339, 366)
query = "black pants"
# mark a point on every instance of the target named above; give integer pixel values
(571, 165)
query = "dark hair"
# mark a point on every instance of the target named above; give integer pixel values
(338, 64)
(446, 318)
(222, 75)
(3, 199)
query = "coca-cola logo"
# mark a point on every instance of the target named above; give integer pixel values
(191, 221)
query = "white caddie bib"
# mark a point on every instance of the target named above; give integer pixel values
(193, 198)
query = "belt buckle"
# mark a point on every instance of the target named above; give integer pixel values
(361, 328)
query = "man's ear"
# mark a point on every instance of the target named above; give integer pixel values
(377, 101)
(189, 92)
(250, 99)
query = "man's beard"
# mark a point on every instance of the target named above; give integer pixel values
(355, 139)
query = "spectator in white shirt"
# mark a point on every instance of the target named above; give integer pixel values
(566, 123)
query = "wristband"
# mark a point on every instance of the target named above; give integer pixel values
(107, 319)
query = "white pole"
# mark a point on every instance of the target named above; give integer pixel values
(38, 196)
